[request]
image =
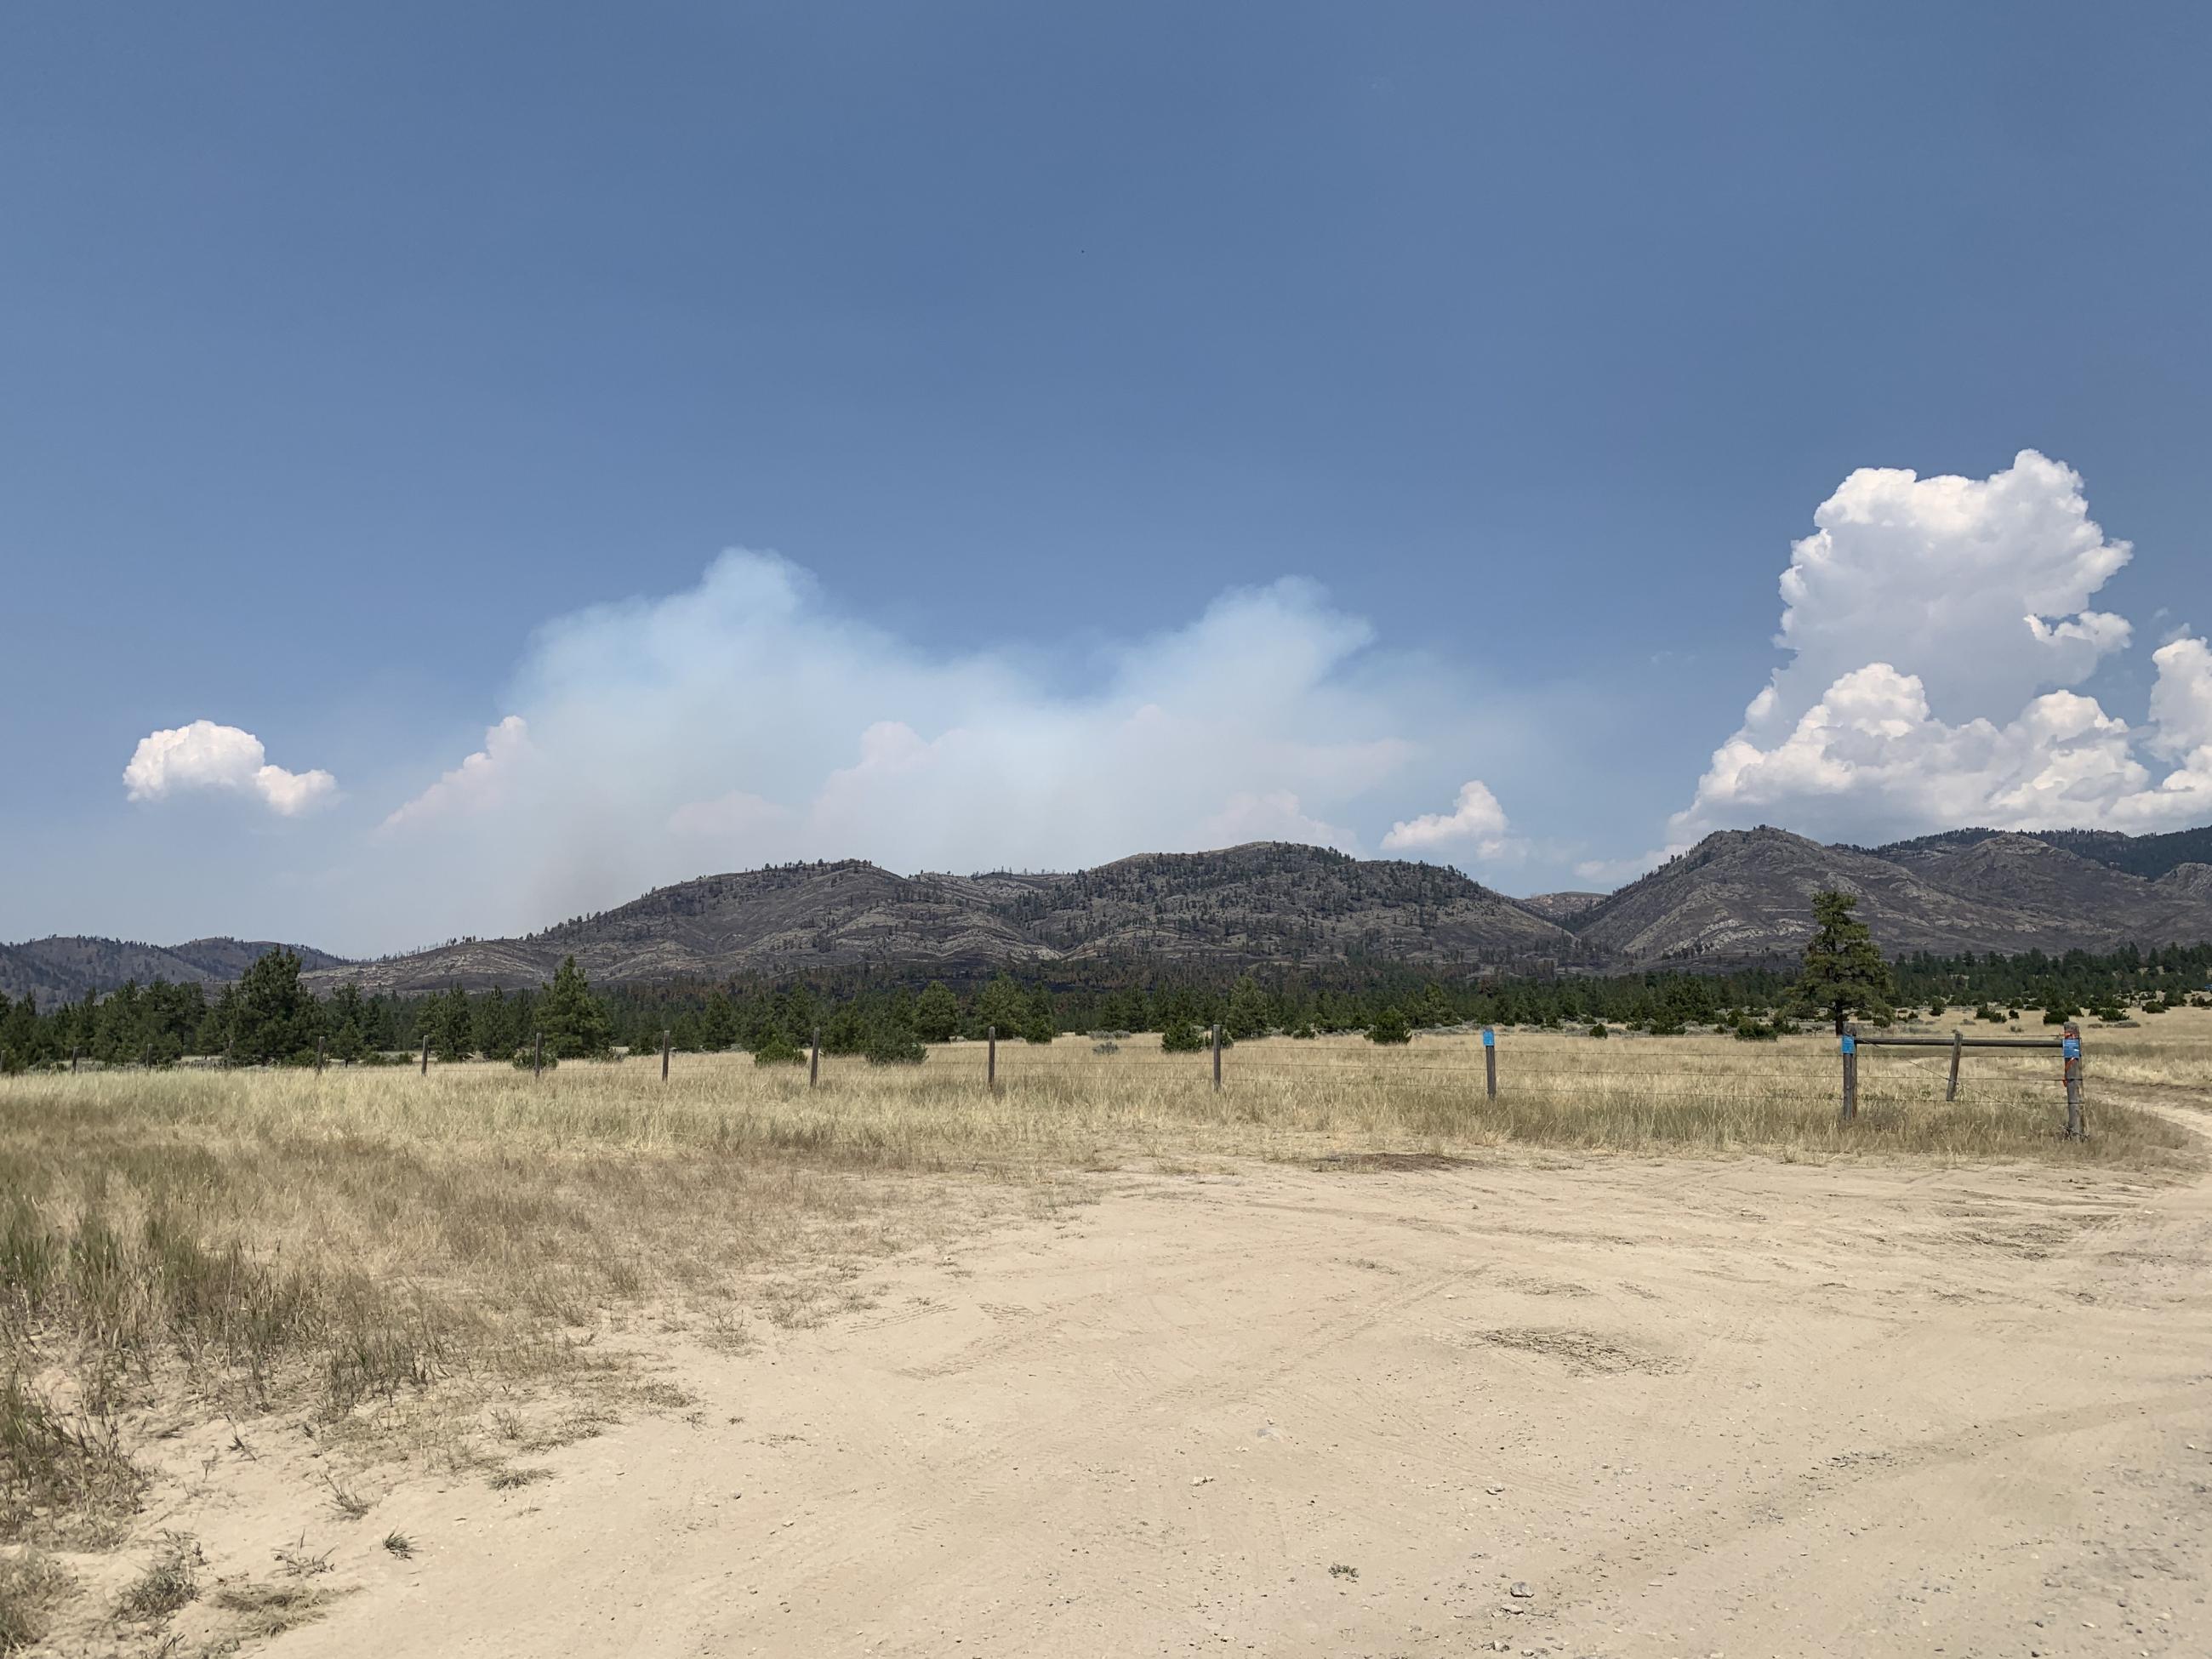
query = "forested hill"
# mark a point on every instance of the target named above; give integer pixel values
(65, 967)
(1262, 905)
(2148, 856)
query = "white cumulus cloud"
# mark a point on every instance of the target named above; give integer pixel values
(1937, 626)
(1476, 822)
(1979, 586)
(205, 755)
(2181, 701)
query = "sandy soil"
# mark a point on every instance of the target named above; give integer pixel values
(1738, 1407)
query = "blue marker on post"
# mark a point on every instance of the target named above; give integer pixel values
(1851, 1045)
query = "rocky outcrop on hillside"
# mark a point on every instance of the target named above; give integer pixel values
(1562, 908)
(2188, 880)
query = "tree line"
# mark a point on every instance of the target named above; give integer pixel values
(270, 1017)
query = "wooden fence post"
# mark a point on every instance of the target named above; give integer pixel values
(319, 1056)
(2072, 1039)
(1490, 1060)
(1217, 1056)
(426, 1056)
(1957, 1052)
(814, 1059)
(1850, 1048)
(664, 1055)
(537, 1054)
(991, 1057)
(73, 1053)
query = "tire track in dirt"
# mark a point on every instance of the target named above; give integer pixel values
(974, 1482)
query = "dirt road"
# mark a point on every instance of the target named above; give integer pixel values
(1736, 1407)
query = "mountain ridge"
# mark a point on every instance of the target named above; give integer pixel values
(1740, 897)
(1743, 896)
(2150, 856)
(1259, 905)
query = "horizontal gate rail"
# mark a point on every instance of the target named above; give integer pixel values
(1960, 1043)
(2067, 1042)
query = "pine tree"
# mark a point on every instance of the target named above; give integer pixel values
(718, 1025)
(452, 1028)
(494, 1033)
(936, 1014)
(846, 1031)
(215, 1034)
(115, 1040)
(1042, 1023)
(1434, 1007)
(19, 1030)
(273, 1018)
(1250, 1012)
(1002, 1005)
(1845, 975)
(573, 1021)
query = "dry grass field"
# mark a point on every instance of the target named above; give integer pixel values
(247, 1317)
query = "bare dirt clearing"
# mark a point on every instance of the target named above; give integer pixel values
(1743, 1408)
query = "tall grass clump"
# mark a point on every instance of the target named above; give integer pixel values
(64, 1478)
(31, 1588)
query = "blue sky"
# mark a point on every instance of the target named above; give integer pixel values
(1412, 408)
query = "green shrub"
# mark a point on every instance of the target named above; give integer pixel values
(891, 1045)
(1181, 1038)
(777, 1049)
(1390, 1027)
